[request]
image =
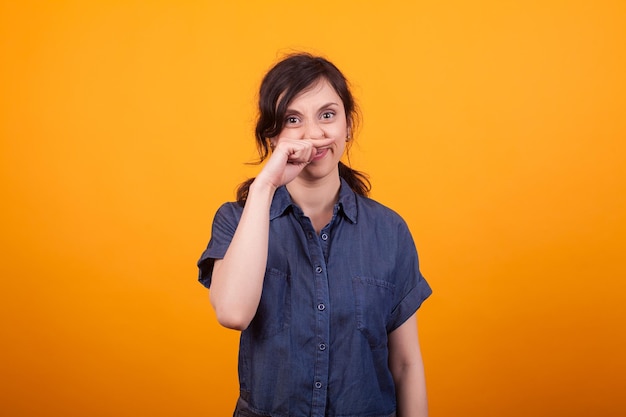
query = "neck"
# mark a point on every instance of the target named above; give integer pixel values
(316, 199)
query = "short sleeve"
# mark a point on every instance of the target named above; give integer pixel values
(411, 286)
(224, 225)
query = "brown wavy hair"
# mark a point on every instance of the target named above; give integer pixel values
(279, 87)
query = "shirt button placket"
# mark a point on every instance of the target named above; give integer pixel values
(318, 244)
(322, 347)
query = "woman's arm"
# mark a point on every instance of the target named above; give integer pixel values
(407, 368)
(237, 280)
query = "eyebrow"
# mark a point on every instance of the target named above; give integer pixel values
(293, 111)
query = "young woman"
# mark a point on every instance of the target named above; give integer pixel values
(323, 282)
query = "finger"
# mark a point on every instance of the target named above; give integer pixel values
(317, 143)
(303, 154)
(320, 143)
(299, 150)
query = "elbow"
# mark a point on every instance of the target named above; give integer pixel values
(232, 321)
(231, 316)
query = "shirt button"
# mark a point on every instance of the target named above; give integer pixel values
(318, 385)
(324, 236)
(322, 346)
(318, 269)
(321, 307)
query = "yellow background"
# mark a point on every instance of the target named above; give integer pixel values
(497, 129)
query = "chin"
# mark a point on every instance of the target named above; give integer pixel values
(322, 169)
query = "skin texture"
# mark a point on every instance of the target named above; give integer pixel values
(407, 368)
(305, 158)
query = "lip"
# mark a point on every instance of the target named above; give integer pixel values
(320, 154)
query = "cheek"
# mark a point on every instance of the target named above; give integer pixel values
(341, 145)
(340, 131)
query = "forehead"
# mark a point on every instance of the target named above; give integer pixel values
(320, 92)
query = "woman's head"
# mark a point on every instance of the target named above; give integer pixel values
(284, 82)
(281, 85)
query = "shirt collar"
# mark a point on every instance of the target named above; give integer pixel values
(346, 203)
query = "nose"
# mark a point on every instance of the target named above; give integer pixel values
(313, 130)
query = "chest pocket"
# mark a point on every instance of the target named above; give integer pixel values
(373, 304)
(274, 312)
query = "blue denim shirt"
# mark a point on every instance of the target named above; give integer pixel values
(318, 343)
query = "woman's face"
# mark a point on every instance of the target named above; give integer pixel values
(317, 113)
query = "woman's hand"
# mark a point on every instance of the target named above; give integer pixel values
(289, 158)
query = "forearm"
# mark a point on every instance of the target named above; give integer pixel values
(407, 369)
(411, 392)
(237, 280)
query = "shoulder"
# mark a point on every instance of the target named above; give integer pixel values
(371, 210)
(230, 206)
(228, 212)
(382, 222)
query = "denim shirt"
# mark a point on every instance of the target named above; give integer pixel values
(317, 345)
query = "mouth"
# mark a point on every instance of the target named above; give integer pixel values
(321, 152)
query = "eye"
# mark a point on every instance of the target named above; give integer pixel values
(291, 120)
(328, 115)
